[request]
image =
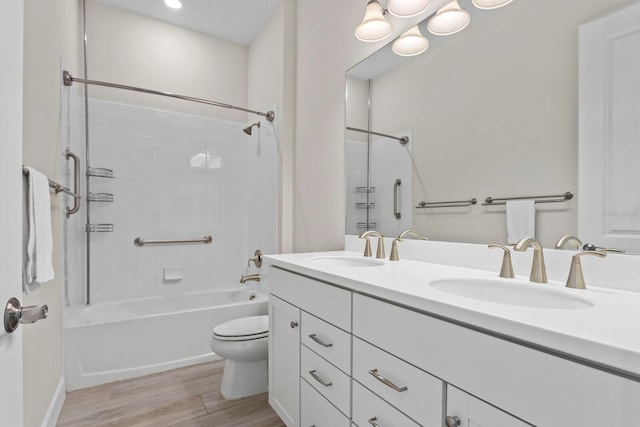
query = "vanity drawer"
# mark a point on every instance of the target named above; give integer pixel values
(328, 380)
(330, 342)
(368, 408)
(325, 301)
(316, 411)
(406, 387)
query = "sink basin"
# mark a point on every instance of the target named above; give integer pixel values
(346, 261)
(510, 293)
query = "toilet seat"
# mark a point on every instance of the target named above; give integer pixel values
(243, 329)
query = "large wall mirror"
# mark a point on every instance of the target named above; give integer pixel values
(491, 111)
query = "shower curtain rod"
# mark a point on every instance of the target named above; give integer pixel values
(402, 139)
(68, 80)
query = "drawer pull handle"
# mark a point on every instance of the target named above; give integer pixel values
(319, 379)
(383, 380)
(373, 422)
(319, 341)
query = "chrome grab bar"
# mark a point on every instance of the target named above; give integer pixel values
(454, 204)
(396, 195)
(319, 379)
(139, 241)
(557, 198)
(383, 380)
(76, 182)
(319, 341)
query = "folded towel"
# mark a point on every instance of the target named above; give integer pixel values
(38, 262)
(521, 220)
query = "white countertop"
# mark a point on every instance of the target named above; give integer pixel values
(608, 333)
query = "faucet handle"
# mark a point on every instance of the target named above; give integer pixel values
(256, 259)
(394, 250)
(506, 270)
(576, 278)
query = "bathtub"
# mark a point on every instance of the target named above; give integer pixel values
(113, 341)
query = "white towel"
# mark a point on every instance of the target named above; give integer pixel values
(38, 262)
(521, 220)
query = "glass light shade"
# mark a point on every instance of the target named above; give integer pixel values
(373, 27)
(410, 43)
(490, 4)
(407, 8)
(449, 20)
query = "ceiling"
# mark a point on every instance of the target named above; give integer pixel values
(234, 20)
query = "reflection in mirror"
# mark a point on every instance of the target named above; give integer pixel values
(492, 112)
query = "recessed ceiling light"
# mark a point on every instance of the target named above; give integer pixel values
(173, 4)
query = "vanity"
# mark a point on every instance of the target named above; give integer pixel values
(367, 342)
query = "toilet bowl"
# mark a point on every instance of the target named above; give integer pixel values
(244, 344)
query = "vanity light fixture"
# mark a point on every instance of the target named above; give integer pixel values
(374, 27)
(411, 43)
(173, 4)
(449, 20)
(490, 4)
(407, 8)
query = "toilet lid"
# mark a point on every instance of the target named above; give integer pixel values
(245, 328)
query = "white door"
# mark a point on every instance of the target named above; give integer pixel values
(464, 410)
(608, 198)
(11, 24)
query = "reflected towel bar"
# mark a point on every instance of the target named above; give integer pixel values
(557, 198)
(59, 188)
(455, 204)
(139, 241)
(68, 80)
(402, 139)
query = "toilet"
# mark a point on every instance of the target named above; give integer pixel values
(244, 344)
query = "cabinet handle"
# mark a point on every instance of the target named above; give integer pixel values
(383, 380)
(373, 422)
(293, 324)
(319, 341)
(319, 379)
(452, 421)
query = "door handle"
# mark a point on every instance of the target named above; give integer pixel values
(15, 314)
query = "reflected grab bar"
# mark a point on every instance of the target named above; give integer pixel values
(396, 195)
(139, 241)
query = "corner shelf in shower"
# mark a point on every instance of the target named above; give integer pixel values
(370, 225)
(100, 172)
(365, 189)
(365, 205)
(99, 228)
(100, 197)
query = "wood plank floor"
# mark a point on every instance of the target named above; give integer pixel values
(185, 397)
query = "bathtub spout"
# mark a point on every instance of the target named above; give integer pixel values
(245, 279)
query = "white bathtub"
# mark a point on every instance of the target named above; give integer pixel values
(108, 342)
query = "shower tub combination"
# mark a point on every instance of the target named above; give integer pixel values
(113, 341)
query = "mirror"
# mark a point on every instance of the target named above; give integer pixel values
(493, 112)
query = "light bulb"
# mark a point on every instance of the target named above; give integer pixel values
(173, 4)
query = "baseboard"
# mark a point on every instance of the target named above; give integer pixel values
(55, 407)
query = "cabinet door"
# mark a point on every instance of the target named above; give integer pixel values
(464, 410)
(284, 360)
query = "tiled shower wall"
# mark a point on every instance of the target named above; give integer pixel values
(176, 176)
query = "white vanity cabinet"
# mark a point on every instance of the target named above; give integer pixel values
(309, 351)
(464, 410)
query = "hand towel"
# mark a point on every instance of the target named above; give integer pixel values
(521, 220)
(38, 261)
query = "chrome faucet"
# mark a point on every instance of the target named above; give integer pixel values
(367, 249)
(576, 278)
(394, 250)
(413, 233)
(538, 269)
(560, 244)
(506, 270)
(254, 277)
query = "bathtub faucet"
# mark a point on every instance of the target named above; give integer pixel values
(245, 279)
